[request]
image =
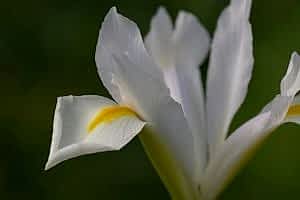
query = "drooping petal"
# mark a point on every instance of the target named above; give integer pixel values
(279, 107)
(178, 53)
(121, 53)
(293, 114)
(121, 37)
(290, 83)
(243, 143)
(163, 114)
(229, 70)
(236, 150)
(90, 124)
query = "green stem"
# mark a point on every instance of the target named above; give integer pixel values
(174, 179)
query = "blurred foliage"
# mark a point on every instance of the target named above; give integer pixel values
(47, 50)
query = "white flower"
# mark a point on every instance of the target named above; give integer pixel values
(158, 88)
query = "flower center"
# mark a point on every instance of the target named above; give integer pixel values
(109, 114)
(293, 110)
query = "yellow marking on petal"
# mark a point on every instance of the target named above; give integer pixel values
(109, 114)
(293, 110)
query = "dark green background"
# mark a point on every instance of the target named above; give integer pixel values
(47, 50)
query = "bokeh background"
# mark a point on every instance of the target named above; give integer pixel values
(47, 50)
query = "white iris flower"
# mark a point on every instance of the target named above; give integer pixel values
(157, 87)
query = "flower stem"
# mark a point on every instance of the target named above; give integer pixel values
(166, 166)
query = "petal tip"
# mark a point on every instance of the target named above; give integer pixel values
(112, 14)
(48, 165)
(113, 10)
(295, 55)
(161, 16)
(185, 13)
(161, 10)
(53, 160)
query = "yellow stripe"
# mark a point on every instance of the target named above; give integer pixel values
(108, 114)
(294, 110)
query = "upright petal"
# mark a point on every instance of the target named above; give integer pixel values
(186, 45)
(191, 42)
(158, 41)
(121, 53)
(229, 70)
(79, 130)
(178, 53)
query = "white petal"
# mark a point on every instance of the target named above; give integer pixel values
(278, 107)
(242, 8)
(158, 41)
(229, 70)
(164, 115)
(186, 46)
(70, 135)
(192, 102)
(120, 37)
(234, 152)
(188, 42)
(191, 40)
(160, 45)
(242, 144)
(290, 83)
(140, 83)
(133, 72)
(293, 114)
(179, 52)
